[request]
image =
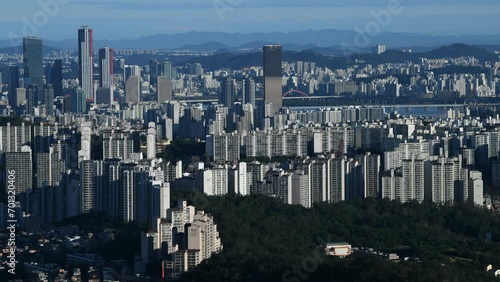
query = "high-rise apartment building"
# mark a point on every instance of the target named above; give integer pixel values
(249, 91)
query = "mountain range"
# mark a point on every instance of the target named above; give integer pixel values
(238, 60)
(299, 40)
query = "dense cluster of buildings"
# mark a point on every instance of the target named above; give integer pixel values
(182, 239)
(89, 143)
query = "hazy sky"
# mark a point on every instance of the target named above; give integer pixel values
(120, 19)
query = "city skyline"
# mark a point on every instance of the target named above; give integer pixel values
(230, 156)
(426, 17)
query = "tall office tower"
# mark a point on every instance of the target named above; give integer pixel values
(33, 61)
(250, 91)
(106, 67)
(78, 101)
(166, 69)
(86, 62)
(54, 77)
(48, 99)
(13, 85)
(32, 95)
(228, 93)
(133, 90)
(273, 76)
(154, 69)
(164, 89)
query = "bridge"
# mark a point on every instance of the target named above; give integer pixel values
(344, 101)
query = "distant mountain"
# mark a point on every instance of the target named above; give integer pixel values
(242, 60)
(309, 38)
(205, 47)
(460, 50)
(452, 51)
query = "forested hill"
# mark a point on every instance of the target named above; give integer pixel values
(265, 240)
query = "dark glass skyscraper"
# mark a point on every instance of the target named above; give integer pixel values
(33, 61)
(228, 94)
(154, 67)
(273, 76)
(54, 77)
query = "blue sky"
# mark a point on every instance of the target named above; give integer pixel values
(127, 19)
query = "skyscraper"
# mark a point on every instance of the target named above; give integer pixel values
(166, 69)
(153, 71)
(133, 90)
(164, 89)
(48, 99)
(54, 77)
(228, 94)
(249, 91)
(106, 67)
(32, 98)
(33, 61)
(86, 62)
(272, 76)
(78, 102)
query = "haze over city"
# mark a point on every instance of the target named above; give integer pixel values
(131, 19)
